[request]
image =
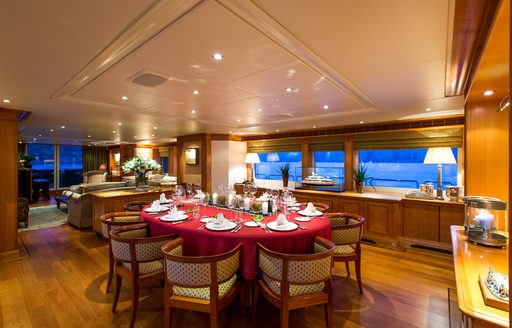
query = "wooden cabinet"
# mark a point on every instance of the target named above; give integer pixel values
(448, 216)
(379, 218)
(350, 206)
(421, 221)
(307, 196)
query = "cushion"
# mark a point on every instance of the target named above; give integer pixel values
(343, 250)
(204, 292)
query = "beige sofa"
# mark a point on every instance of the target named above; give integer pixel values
(95, 176)
(80, 201)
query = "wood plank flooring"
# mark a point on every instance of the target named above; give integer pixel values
(62, 284)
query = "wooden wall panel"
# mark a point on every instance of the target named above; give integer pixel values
(378, 218)
(421, 222)
(487, 157)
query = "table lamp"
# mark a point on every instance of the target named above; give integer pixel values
(252, 158)
(439, 155)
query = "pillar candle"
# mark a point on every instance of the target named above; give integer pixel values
(264, 208)
(485, 219)
(247, 202)
(214, 198)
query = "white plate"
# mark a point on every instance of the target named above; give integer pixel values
(288, 227)
(168, 218)
(206, 220)
(293, 208)
(228, 225)
(316, 213)
(162, 209)
(302, 219)
(295, 204)
(251, 224)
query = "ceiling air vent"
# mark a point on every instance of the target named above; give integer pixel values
(148, 79)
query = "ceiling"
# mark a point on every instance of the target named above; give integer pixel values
(70, 62)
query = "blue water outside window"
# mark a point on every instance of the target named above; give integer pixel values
(330, 164)
(70, 165)
(43, 165)
(269, 164)
(404, 168)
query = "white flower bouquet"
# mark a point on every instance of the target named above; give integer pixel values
(140, 166)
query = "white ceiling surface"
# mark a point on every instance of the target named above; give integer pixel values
(69, 63)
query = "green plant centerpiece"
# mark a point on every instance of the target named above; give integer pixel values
(360, 176)
(284, 170)
(140, 167)
(24, 160)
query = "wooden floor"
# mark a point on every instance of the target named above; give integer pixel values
(61, 283)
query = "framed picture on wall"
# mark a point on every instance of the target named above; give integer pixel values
(191, 156)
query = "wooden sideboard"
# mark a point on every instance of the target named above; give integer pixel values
(469, 262)
(113, 201)
(392, 221)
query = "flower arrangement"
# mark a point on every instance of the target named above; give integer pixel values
(140, 166)
(25, 160)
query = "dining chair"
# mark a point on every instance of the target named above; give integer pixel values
(347, 232)
(200, 283)
(22, 211)
(138, 259)
(291, 281)
(110, 221)
(321, 207)
(135, 206)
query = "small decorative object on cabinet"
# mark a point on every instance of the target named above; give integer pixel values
(485, 221)
(319, 178)
(360, 176)
(284, 170)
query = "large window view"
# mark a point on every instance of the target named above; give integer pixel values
(330, 164)
(43, 165)
(70, 165)
(404, 168)
(268, 168)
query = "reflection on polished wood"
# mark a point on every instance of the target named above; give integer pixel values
(62, 284)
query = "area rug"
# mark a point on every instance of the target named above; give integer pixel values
(44, 217)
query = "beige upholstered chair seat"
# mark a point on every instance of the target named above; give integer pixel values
(204, 293)
(295, 290)
(146, 267)
(344, 249)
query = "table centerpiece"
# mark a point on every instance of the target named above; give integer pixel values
(140, 167)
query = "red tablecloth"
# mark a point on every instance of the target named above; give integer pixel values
(206, 242)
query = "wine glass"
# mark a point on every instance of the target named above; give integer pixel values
(253, 189)
(197, 188)
(238, 201)
(189, 189)
(246, 189)
(275, 193)
(195, 214)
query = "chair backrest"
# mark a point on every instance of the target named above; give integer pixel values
(199, 271)
(321, 207)
(113, 220)
(136, 206)
(133, 243)
(298, 269)
(347, 228)
(95, 176)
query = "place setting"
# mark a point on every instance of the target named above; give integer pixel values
(156, 207)
(309, 211)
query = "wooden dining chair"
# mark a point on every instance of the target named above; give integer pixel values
(347, 232)
(291, 281)
(135, 206)
(110, 221)
(202, 283)
(138, 259)
(321, 207)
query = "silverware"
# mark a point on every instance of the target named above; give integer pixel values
(202, 227)
(179, 222)
(302, 227)
(238, 227)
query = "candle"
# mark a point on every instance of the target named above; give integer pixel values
(264, 208)
(214, 198)
(247, 202)
(485, 219)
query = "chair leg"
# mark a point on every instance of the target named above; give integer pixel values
(119, 281)
(242, 299)
(167, 308)
(328, 315)
(348, 268)
(213, 319)
(256, 295)
(285, 313)
(110, 271)
(358, 275)
(135, 302)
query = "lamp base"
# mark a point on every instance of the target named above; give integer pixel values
(439, 195)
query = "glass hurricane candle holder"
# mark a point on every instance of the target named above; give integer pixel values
(485, 221)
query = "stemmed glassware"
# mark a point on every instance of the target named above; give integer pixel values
(190, 188)
(238, 201)
(253, 190)
(246, 189)
(197, 188)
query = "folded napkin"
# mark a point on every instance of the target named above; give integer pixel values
(310, 208)
(155, 206)
(281, 220)
(163, 199)
(173, 212)
(220, 219)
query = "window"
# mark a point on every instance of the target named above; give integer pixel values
(404, 168)
(43, 165)
(70, 165)
(268, 168)
(330, 164)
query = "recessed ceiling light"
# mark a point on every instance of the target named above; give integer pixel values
(124, 98)
(277, 130)
(314, 126)
(51, 130)
(134, 137)
(40, 135)
(289, 89)
(488, 93)
(35, 139)
(259, 109)
(152, 135)
(196, 92)
(428, 109)
(193, 111)
(217, 56)
(361, 122)
(113, 131)
(230, 131)
(238, 120)
(89, 136)
(19, 141)
(326, 107)
(6, 101)
(154, 128)
(119, 123)
(62, 126)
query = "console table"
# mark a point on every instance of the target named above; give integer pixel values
(113, 201)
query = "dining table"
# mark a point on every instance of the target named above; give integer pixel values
(200, 241)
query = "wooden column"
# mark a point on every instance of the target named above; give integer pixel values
(8, 183)
(307, 158)
(350, 161)
(206, 179)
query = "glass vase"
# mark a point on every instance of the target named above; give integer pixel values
(141, 181)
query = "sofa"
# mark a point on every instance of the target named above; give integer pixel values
(79, 200)
(95, 176)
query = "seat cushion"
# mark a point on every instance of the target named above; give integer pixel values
(204, 293)
(295, 290)
(343, 250)
(146, 267)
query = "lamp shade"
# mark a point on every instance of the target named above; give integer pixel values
(273, 157)
(252, 158)
(440, 155)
